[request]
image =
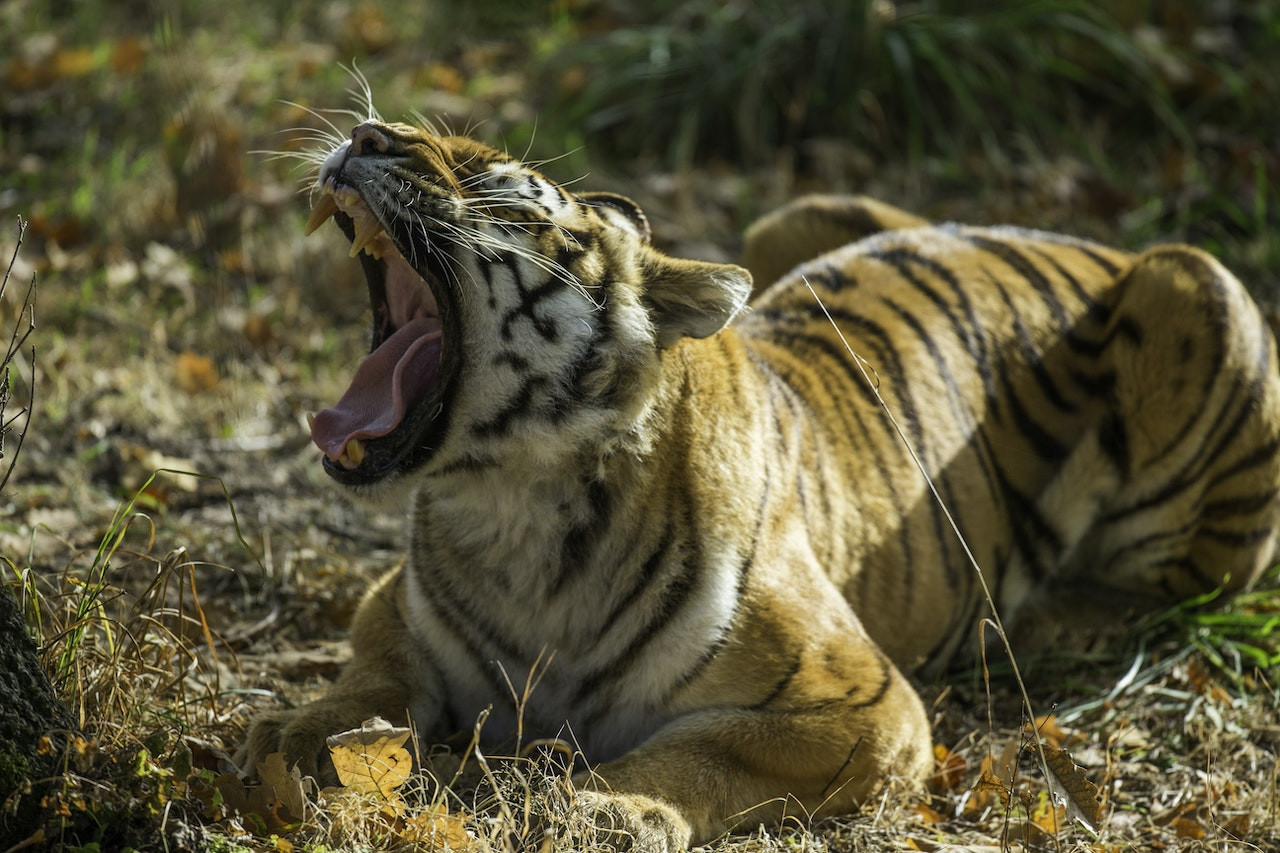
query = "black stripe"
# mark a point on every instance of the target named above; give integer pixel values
(968, 331)
(468, 464)
(529, 299)
(1244, 505)
(1094, 255)
(1030, 354)
(519, 404)
(513, 360)
(1074, 283)
(1194, 470)
(575, 548)
(471, 628)
(886, 678)
(1024, 267)
(744, 573)
(673, 597)
(780, 686)
(1047, 446)
(1096, 387)
(644, 579)
(1113, 440)
(1237, 538)
(1028, 527)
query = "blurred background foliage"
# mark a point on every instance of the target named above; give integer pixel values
(1156, 117)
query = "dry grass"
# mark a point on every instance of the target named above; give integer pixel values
(185, 325)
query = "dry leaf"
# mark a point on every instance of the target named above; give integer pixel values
(73, 62)
(435, 826)
(195, 373)
(1072, 788)
(928, 815)
(989, 783)
(1049, 816)
(1188, 828)
(1047, 727)
(276, 805)
(128, 55)
(372, 757)
(258, 331)
(289, 785)
(949, 769)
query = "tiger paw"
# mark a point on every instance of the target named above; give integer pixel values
(632, 822)
(300, 734)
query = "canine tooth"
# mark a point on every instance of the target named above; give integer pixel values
(326, 207)
(354, 451)
(311, 420)
(348, 199)
(369, 231)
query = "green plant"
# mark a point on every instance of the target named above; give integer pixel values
(738, 80)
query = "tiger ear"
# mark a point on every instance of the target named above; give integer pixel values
(620, 210)
(692, 299)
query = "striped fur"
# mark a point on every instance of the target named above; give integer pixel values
(702, 540)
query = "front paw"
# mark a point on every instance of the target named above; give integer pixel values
(632, 822)
(299, 733)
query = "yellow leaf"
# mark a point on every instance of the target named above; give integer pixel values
(435, 826)
(287, 785)
(928, 815)
(73, 62)
(372, 757)
(949, 768)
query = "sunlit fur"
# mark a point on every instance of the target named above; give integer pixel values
(708, 528)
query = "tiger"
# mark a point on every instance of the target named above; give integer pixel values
(671, 495)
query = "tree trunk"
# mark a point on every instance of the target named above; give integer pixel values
(29, 710)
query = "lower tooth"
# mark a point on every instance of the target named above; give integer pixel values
(355, 451)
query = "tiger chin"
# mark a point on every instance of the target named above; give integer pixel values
(692, 518)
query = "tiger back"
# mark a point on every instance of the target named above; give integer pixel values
(703, 540)
(1101, 427)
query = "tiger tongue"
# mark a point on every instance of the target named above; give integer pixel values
(386, 383)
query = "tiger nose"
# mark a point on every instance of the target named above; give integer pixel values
(369, 138)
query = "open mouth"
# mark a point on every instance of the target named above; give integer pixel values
(392, 415)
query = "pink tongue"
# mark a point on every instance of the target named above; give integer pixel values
(385, 385)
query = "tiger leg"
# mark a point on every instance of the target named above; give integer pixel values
(1173, 494)
(377, 682)
(811, 226)
(718, 769)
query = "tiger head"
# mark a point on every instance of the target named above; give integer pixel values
(510, 316)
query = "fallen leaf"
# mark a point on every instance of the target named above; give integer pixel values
(989, 783)
(928, 815)
(288, 785)
(128, 55)
(258, 331)
(949, 768)
(267, 808)
(1186, 827)
(1047, 727)
(73, 62)
(195, 373)
(435, 826)
(1072, 788)
(372, 757)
